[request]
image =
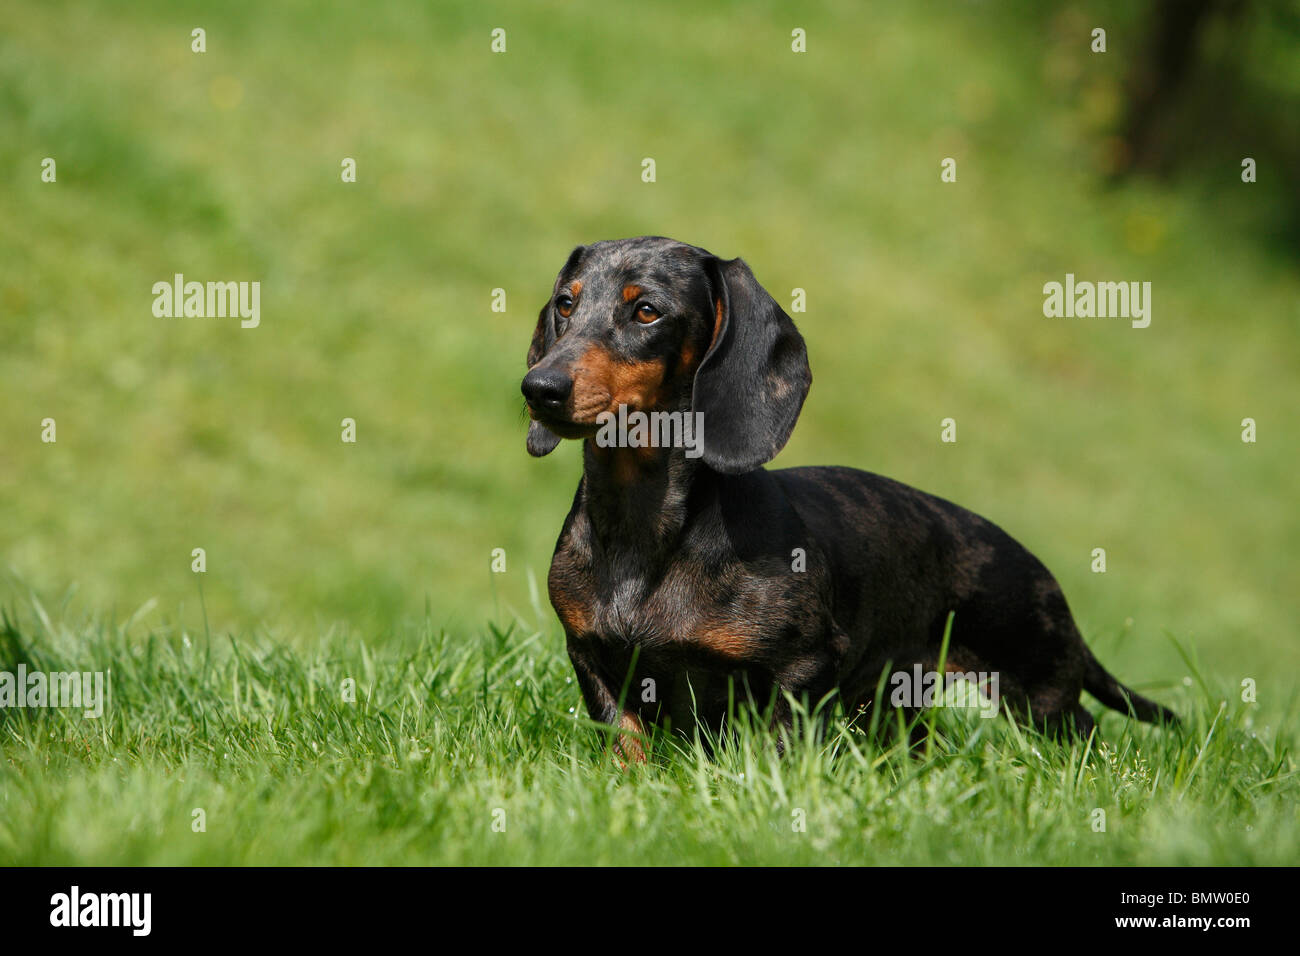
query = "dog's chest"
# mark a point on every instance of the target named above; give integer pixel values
(634, 609)
(722, 618)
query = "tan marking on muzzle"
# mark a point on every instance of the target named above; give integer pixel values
(601, 382)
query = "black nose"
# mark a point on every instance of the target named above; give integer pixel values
(546, 388)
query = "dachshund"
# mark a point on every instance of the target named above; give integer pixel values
(683, 574)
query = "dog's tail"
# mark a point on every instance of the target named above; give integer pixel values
(1098, 682)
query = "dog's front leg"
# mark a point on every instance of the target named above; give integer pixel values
(602, 704)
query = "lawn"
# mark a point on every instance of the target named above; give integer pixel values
(475, 749)
(478, 171)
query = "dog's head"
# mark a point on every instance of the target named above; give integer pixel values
(657, 325)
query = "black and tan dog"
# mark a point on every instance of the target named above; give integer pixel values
(685, 570)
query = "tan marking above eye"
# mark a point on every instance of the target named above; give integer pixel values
(632, 292)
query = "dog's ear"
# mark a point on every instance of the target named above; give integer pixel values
(754, 377)
(541, 440)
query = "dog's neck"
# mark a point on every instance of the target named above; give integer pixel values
(636, 499)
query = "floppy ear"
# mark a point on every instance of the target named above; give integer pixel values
(754, 377)
(541, 440)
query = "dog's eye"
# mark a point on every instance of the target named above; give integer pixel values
(647, 313)
(564, 306)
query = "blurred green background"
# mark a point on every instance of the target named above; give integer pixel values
(479, 170)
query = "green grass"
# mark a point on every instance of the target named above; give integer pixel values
(447, 731)
(479, 171)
